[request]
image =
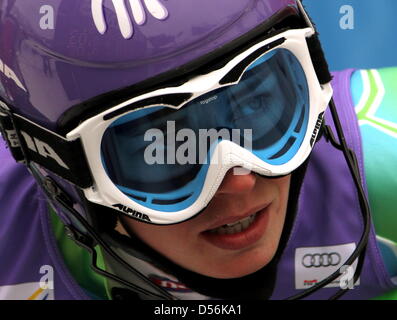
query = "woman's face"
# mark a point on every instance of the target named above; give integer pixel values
(200, 245)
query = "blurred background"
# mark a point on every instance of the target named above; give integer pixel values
(356, 33)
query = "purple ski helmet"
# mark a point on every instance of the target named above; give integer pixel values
(62, 54)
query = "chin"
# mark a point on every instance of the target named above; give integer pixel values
(244, 265)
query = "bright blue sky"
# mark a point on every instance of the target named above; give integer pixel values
(373, 41)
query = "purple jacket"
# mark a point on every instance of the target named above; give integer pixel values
(326, 230)
(329, 222)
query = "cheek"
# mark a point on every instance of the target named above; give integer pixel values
(162, 238)
(284, 194)
(283, 185)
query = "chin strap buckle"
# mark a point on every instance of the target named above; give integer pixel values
(60, 197)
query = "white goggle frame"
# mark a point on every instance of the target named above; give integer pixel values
(91, 131)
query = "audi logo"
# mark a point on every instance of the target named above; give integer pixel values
(318, 260)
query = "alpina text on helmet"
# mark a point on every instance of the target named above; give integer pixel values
(42, 148)
(7, 71)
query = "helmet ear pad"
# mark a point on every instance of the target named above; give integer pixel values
(101, 218)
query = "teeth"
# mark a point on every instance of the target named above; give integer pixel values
(247, 219)
(232, 228)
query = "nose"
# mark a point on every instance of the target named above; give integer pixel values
(236, 183)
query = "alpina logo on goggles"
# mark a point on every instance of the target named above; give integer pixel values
(270, 91)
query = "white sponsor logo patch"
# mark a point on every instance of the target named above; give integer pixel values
(314, 264)
(138, 9)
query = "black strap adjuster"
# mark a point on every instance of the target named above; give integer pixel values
(30, 142)
(10, 134)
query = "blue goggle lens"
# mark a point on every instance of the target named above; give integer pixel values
(160, 156)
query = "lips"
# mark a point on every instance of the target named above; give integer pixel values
(239, 240)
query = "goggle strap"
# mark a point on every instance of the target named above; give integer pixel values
(9, 133)
(316, 52)
(29, 142)
(318, 58)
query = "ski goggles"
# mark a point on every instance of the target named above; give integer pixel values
(161, 156)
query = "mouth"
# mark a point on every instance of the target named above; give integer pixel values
(239, 234)
(235, 227)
